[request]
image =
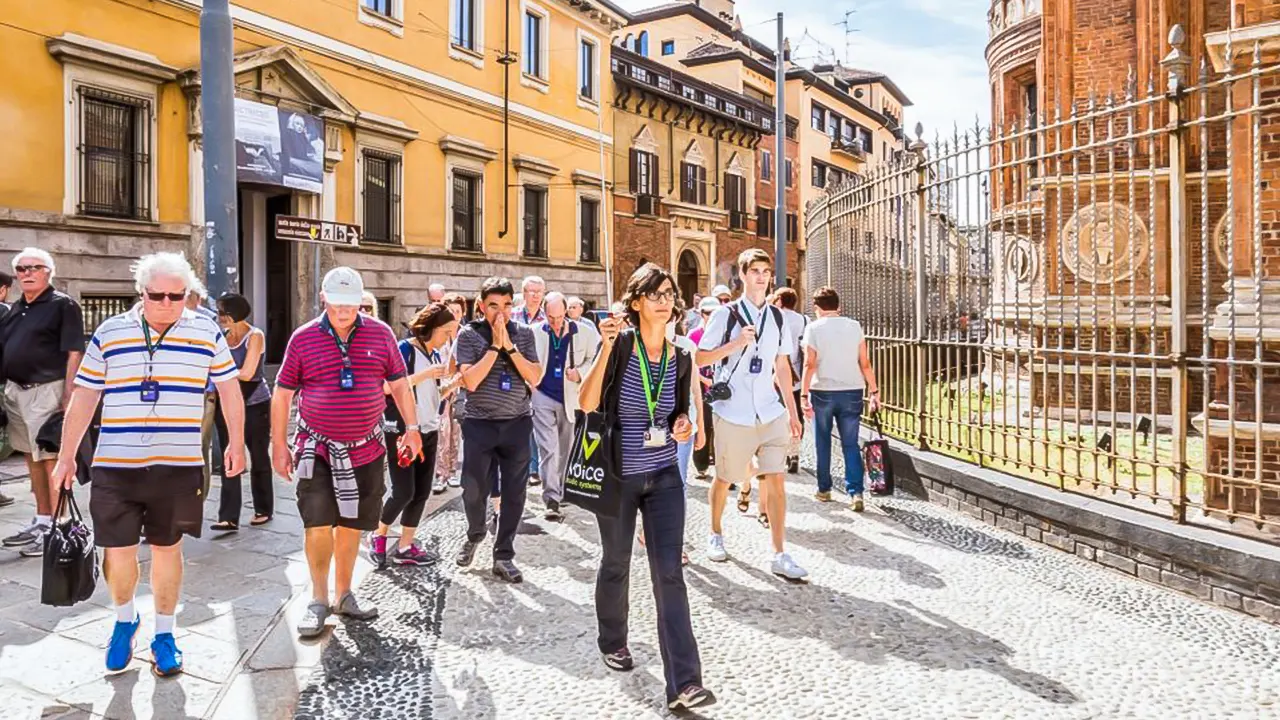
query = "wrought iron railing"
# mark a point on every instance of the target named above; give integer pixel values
(1097, 310)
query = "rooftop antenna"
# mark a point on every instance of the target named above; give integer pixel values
(849, 30)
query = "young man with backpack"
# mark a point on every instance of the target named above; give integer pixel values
(754, 424)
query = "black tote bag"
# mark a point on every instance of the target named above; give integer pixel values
(592, 471)
(70, 562)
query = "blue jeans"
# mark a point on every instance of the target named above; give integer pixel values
(659, 500)
(841, 409)
(533, 456)
(683, 451)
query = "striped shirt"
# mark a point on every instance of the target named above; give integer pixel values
(312, 367)
(164, 431)
(633, 415)
(489, 401)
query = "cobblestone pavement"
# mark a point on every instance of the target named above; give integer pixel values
(913, 611)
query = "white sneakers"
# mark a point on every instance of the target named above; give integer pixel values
(785, 567)
(715, 548)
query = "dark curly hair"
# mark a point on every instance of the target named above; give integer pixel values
(646, 279)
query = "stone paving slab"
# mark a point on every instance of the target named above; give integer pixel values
(912, 611)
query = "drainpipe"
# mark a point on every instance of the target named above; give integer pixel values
(506, 61)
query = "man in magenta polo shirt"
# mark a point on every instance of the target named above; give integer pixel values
(337, 365)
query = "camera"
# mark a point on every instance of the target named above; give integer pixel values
(719, 391)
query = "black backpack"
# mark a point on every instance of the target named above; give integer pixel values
(736, 319)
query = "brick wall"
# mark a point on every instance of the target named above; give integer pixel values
(635, 241)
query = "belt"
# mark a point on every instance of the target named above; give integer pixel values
(28, 386)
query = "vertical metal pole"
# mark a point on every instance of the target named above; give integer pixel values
(919, 266)
(217, 113)
(1177, 63)
(779, 162)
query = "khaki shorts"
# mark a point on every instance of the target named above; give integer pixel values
(28, 410)
(744, 451)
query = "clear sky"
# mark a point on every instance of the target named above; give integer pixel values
(933, 49)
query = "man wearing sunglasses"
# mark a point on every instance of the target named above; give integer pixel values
(149, 367)
(43, 340)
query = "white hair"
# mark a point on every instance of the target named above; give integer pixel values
(33, 252)
(149, 267)
(555, 296)
(574, 300)
(532, 280)
(436, 286)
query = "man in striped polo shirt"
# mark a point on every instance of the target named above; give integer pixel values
(337, 365)
(149, 367)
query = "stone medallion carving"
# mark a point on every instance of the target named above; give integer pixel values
(1222, 243)
(1021, 259)
(1104, 243)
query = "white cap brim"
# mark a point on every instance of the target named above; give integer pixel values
(347, 299)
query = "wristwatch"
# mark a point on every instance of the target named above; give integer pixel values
(415, 428)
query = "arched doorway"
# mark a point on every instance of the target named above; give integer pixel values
(687, 275)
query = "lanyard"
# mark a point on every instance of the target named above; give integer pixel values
(151, 349)
(343, 347)
(650, 397)
(556, 342)
(745, 306)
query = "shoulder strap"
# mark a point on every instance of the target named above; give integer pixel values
(734, 319)
(684, 369)
(620, 355)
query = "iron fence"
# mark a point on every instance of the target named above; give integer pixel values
(1090, 299)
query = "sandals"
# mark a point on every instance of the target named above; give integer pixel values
(260, 520)
(224, 526)
(763, 519)
(744, 500)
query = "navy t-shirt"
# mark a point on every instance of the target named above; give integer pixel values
(552, 385)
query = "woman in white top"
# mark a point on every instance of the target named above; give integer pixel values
(833, 390)
(432, 331)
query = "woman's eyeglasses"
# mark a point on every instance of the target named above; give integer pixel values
(661, 296)
(160, 297)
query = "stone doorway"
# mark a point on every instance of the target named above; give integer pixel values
(688, 276)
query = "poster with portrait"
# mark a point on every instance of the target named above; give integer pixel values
(276, 146)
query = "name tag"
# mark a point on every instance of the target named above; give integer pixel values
(346, 379)
(757, 366)
(504, 382)
(558, 372)
(655, 437)
(150, 391)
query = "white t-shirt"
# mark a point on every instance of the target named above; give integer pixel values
(427, 392)
(684, 343)
(796, 324)
(837, 341)
(755, 398)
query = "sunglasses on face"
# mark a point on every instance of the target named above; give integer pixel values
(160, 296)
(368, 309)
(23, 269)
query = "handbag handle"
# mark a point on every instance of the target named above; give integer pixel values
(875, 424)
(67, 501)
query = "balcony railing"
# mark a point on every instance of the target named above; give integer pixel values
(647, 205)
(853, 148)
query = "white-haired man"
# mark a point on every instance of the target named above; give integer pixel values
(156, 359)
(43, 341)
(435, 293)
(576, 309)
(565, 350)
(532, 311)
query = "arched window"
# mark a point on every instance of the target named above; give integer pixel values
(642, 44)
(628, 42)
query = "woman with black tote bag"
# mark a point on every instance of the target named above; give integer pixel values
(649, 404)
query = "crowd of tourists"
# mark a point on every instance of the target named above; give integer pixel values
(481, 394)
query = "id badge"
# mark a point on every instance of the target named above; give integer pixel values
(655, 437)
(347, 379)
(559, 372)
(504, 382)
(757, 365)
(150, 391)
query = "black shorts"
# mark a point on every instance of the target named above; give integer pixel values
(318, 505)
(160, 502)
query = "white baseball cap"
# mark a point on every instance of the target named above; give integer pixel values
(719, 290)
(343, 286)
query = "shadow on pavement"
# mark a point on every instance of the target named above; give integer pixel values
(870, 632)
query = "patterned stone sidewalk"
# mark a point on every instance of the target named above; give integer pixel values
(913, 611)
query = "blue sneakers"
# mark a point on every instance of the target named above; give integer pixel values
(168, 657)
(120, 651)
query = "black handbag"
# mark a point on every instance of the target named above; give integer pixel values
(70, 561)
(876, 461)
(592, 471)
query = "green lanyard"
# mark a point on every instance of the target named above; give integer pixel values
(151, 349)
(650, 397)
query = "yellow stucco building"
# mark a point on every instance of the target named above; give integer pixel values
(457, 155)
